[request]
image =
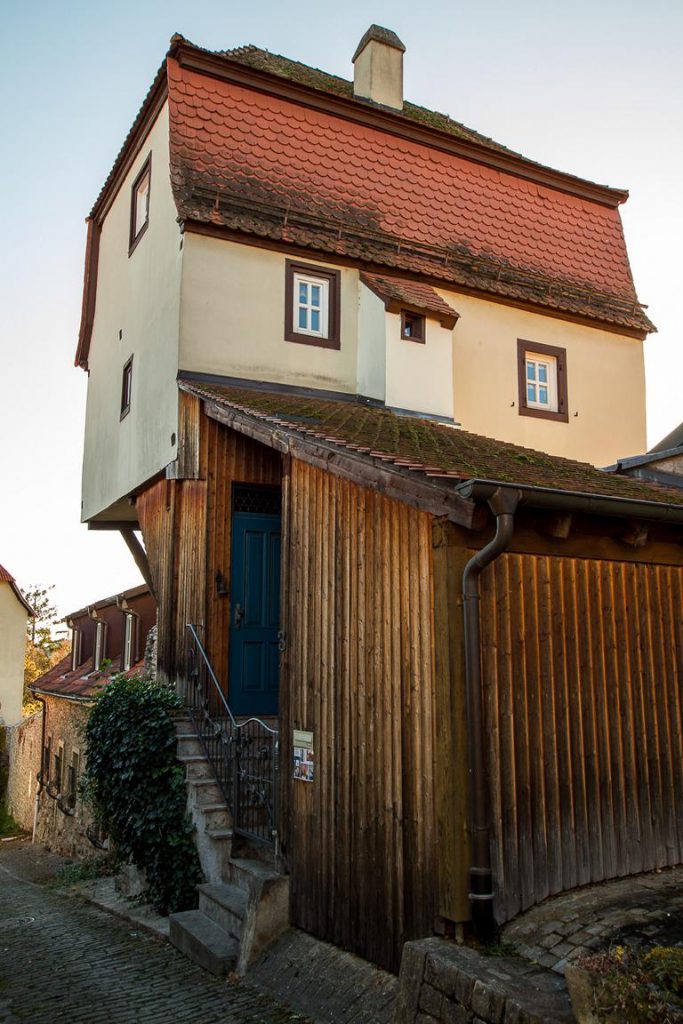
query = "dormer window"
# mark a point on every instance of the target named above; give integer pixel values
(542, 372)
(312, 305)
(412, 326)
(139, 206)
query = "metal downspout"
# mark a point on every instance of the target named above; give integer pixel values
(503, 503)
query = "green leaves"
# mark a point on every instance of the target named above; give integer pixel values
(137, 790)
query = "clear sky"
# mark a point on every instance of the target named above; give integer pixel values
(591, 88)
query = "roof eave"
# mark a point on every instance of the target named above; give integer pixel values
(570, 500)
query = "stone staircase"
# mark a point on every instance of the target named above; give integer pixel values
(244, 902)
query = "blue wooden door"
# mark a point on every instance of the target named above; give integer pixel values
(255, 614)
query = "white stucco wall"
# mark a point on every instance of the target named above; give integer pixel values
(419, 376)
(232, 318)
(12, 648)
(137, 295)
(605, 382)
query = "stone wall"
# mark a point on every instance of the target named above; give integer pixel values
(449, 984)
(65, 731)
(23, 746)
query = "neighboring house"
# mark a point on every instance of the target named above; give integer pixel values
(663, 464)
(450, 644)
(14, 614)
(106, 637)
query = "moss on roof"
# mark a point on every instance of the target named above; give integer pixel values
(428, 447)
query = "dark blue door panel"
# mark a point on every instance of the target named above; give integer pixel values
(255, 614)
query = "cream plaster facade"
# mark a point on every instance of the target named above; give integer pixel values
(136, 314)
(13, 617)
(605, 382)
(214, 306)
(232, 319)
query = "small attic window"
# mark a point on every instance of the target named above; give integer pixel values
(412, 326)
(139, 204)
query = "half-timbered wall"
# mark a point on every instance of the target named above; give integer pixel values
(359, 840)
(583, 678)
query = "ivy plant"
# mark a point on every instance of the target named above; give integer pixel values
(137, 789)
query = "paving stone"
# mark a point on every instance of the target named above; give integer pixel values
(65, 960)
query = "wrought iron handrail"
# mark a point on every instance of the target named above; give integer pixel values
(243, 754)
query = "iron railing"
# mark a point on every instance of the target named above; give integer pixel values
(242, 754)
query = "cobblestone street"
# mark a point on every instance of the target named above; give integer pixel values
(62, 959)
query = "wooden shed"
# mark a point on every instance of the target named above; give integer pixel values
(479, 647)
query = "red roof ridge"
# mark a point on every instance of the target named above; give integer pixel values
(7, 577)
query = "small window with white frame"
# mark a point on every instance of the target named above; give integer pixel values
(541, 382)
(542, 372)
(312, 305)
(139, 204)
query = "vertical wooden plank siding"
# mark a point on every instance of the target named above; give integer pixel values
(583, 677)
(359, 840)
(230, 458)
(156, 513)
(186, 525)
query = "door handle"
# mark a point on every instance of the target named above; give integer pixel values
(239, 615)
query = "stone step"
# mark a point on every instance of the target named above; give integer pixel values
(250, 875)
(188, 745)
(219, 833)
(205, 791)
(196, 766)
(203, 941)
(183, 724)
(215, 815)
(224, 904)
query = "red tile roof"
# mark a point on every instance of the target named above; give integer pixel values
(265, 165)
(398, 294)
(426, 447)
(7, 577)
(61, 681)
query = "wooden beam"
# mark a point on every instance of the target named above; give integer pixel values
(634, 533)
(558, 526)
(139, 556)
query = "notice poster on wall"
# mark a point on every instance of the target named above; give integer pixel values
(303, 755)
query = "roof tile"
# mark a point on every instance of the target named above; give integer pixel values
(426, 446)
(257, 163)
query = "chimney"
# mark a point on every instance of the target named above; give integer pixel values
(378, 68)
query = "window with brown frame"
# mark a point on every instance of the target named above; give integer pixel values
(542, 379)
(412, 326)
(312, 305)
(126, 387)
(139, 204)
